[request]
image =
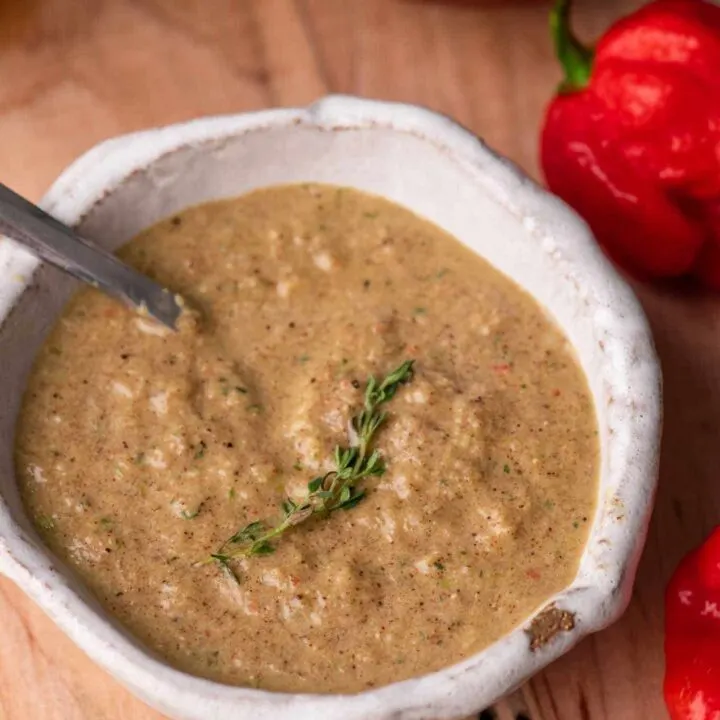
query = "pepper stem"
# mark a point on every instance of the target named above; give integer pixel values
(575, 58)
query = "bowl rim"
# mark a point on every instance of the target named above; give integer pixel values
(486, 675)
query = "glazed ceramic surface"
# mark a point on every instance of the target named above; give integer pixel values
(434, 167)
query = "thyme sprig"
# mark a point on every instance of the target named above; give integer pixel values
(335, 490)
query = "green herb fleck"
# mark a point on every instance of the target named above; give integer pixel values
(223, 562)
(370, 215)
(438, 566)
(189, 515)
(201, 447)
(335, 490)
(441, 273)
(576, 524)
(303, 358)
(106, 522)
(420, 311)
(231, 493)
(549, 504)
(298, 466)
(255, 408)
(139, 458)
(506, 468)
(46, 522)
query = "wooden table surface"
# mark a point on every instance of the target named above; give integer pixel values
(73, 73)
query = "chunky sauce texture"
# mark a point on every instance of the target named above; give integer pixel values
(139, 451)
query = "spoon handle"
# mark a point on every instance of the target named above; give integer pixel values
(57, 244)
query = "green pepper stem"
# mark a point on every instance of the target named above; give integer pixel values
(575, 58)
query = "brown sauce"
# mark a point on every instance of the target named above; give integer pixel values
(140, 451)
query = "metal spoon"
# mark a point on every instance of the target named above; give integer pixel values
(57, 244)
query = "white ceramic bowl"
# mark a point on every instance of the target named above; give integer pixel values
(436, 168)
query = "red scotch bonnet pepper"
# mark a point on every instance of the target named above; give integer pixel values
(632, 139)
(692, 635)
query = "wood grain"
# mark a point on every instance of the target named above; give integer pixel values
(74, 73)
